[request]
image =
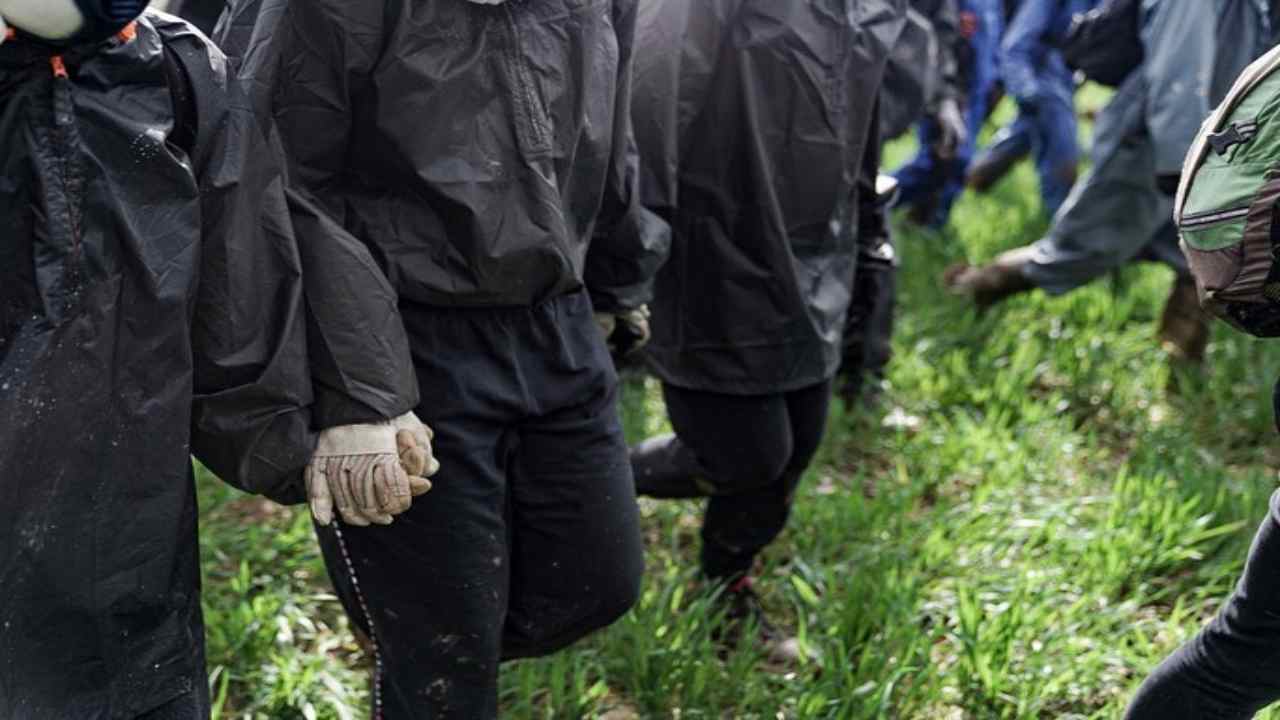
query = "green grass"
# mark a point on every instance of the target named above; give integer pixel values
(1054, 524)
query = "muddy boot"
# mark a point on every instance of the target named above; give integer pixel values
(988, 285)
(666, 468)
(1184, 327)
(745, 619)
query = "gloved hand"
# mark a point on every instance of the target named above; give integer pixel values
(626, 332)
(413, 442)
(365, 471)
(952, 128)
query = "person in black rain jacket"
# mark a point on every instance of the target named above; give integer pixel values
(483, 152)
(752, 118)
(152, 306)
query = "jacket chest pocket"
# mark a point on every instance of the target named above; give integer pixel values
(534, 128)
(555, 54)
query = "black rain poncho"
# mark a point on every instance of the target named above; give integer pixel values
(151, 306)
(475, 149)
(752, 117)
(911, 78)
(203, 14)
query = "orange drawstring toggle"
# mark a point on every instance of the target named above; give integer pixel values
(128, 33)
(59, 67)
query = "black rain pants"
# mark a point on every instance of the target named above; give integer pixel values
(746, 454)
(530, 538)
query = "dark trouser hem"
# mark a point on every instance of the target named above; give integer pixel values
(753, 450)
(192, 706)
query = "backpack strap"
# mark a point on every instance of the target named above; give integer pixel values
(1271, 288)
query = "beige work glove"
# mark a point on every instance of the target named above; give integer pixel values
(413, 444)
(626, 332)
(371, 472)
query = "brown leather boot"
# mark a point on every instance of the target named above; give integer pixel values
(1184, 326)
(990, 284)
(989, 169)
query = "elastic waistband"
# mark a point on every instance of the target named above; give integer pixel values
(570, 301)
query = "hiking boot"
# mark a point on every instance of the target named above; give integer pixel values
(744, 618)
(987, 285)
(1184, 326)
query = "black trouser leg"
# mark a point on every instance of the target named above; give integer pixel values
(576, 551)
(1231, 669)
(530, 538)
(665, 468)
(868, 335)
(754, 450)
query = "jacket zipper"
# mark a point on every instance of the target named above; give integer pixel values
(533, 124)
(65, 140)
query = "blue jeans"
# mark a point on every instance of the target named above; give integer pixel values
(927, 176)
(1047, 132)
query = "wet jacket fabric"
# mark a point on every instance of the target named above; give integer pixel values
(911, 77)
(152, 306)
(477, 150)
(945, 17)
(1187, 70)
(1117, 213)
(143, 315)
(203, 14)
(752, 118)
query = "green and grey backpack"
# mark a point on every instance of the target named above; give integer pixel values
(1228, 204)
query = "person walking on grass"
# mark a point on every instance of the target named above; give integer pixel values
(753, 117)
(1122, 210)
(1036, 76)
(931, 182)
(483, 152)
(153, 306)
